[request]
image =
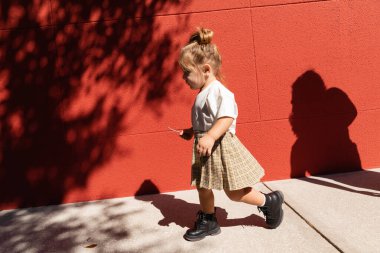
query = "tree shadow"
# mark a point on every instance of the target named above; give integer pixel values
(67, 85)
(320, 119)
(65, 228)
(183, 213)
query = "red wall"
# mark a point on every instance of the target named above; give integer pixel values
(88, 90)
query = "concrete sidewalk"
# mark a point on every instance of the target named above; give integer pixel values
(335, 213)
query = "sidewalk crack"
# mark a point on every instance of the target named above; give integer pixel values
(309, 223)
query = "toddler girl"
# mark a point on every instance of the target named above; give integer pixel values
(220, 161)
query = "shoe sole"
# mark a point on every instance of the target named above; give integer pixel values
(211, 233)
(281, 211)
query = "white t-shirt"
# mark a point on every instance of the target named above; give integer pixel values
(213, 102)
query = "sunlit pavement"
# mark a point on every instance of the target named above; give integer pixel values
(334, 213)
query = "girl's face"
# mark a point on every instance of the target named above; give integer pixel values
(194, 77)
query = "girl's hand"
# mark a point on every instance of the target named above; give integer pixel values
(205, 144)
(187, 134)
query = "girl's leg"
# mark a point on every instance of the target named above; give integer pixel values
(247, 195)
(206, 223)
(270, 204)
(206, 199)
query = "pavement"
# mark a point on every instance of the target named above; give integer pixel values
(333, 213)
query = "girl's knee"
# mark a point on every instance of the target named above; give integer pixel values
(234, 195)
(237, 195)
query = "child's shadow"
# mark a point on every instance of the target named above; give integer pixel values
(183, 213)
(320, 119)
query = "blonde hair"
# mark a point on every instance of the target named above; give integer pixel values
(200, 50)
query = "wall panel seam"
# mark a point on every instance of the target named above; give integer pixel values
(26, 27)
(54, 23)
(286, 4)
(369, 110)
(239, 123)
(51, 13)
(255, 64)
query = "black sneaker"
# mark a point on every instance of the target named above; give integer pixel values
(206, 224)
(273, 208)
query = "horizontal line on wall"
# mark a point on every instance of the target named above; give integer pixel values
(259, 121)
(143, 133)
(249, 122)
(158, 15)
(367, 110)
(205, 11)
(27, 27)
(294, 3)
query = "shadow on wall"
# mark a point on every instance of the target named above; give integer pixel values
(66, 89)
(183, 213)
(320, 119)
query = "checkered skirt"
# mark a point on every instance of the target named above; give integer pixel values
(231, 166)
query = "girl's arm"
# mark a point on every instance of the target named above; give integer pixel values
(220, 127)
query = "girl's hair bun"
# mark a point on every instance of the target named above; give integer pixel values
(203, 36)
(199, 50)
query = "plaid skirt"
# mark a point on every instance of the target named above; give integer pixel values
(231, 166)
